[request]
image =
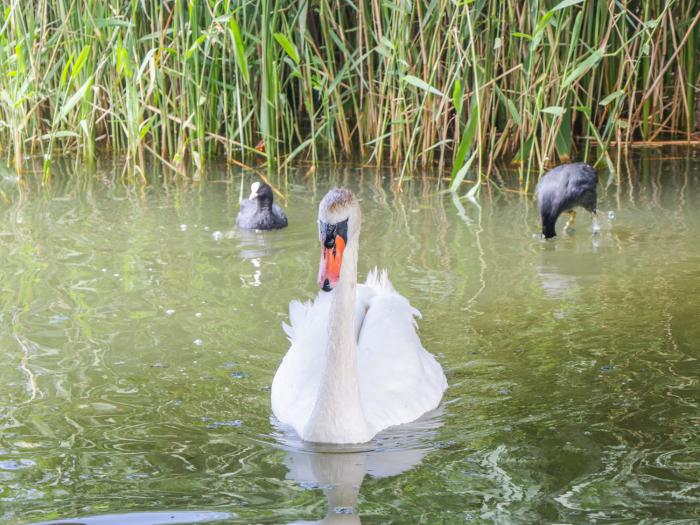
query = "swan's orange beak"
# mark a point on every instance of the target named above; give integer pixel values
(329, 269)
(333, 240)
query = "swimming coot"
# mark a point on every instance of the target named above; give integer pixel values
(258, 212)
(561, 190)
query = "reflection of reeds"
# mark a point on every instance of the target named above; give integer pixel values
(401, 83)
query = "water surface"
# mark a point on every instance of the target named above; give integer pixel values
(140, 332)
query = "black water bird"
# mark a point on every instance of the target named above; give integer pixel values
(258, 212)
(561, 190)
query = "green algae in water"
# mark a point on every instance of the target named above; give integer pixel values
(140, 332)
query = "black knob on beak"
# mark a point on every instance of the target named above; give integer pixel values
(329, 242)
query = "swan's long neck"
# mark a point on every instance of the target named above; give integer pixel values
(338, 416)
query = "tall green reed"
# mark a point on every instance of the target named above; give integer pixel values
(440, 83)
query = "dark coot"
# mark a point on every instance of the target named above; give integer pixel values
(258, 212)
(561, 190)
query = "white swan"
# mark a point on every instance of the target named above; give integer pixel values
(356, 365)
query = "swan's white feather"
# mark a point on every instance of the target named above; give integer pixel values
(399, 379)
(298, 312)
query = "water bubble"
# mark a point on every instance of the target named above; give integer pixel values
(198, 314)
(206, 228)
(596, 227)
(169, 311)
(611, 215)
(239, 375)
(198, 342)
(183, 227)
(217, 235)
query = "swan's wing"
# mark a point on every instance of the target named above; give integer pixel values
(298, 378)
(298, 317)
(399, 379)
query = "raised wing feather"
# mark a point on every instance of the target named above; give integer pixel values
(298, 379)
(298, 317)
(399, 379)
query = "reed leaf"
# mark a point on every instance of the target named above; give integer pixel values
(455, 84)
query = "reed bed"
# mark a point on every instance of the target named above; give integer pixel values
(450, 84)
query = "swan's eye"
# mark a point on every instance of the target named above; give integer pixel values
(333, 239)
(329, 232)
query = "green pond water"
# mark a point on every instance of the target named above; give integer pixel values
(139, 334)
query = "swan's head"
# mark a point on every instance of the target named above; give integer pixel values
(261, 192)
(339, 224)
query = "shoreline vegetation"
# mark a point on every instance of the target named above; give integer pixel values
(447, 84)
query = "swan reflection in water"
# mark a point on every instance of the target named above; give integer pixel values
(339, 470)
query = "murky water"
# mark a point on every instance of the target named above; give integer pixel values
(139, 334)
